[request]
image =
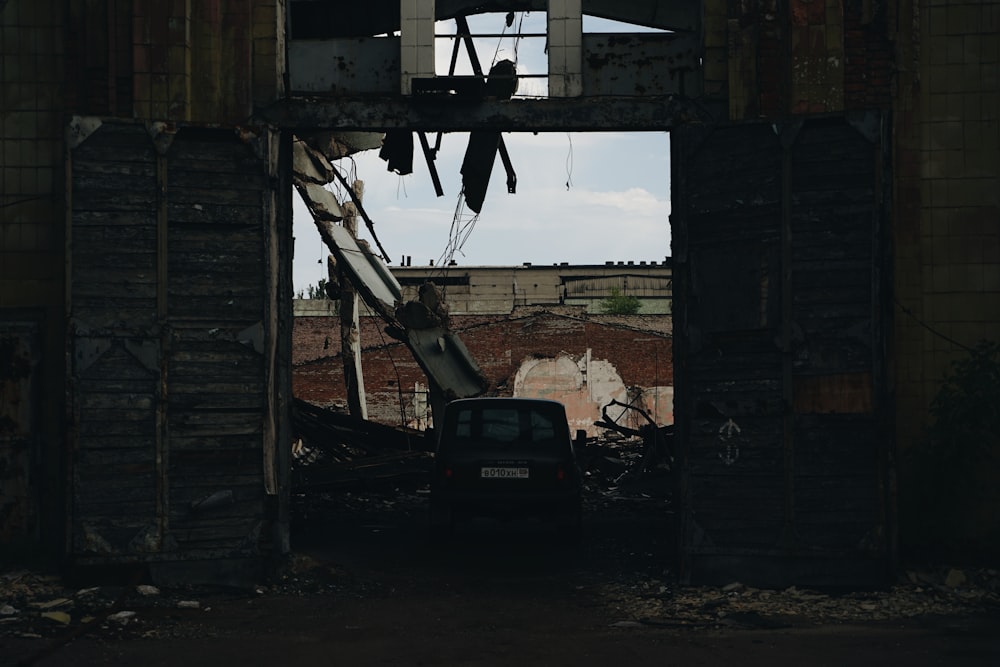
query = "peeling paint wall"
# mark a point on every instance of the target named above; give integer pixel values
(772, 59)
(189, 61)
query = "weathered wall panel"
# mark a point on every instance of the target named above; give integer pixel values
(172, 383)
(782, 310)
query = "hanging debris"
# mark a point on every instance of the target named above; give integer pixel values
(397, 151)
(484, 144)
(450, 368)
(658, 441)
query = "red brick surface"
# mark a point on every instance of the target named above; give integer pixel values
(640, 348)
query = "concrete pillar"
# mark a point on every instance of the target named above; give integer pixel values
(565, 48)
(416, 41)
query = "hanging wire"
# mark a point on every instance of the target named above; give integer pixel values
(517, 40)
(461, 229)
(516, 36)
(496, 51)
(934, 331)
(569, 162)
(399, 380)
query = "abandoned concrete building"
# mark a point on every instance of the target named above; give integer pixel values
(835, 247)
(499, 289)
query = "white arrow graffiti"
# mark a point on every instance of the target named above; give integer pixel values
(731, 447)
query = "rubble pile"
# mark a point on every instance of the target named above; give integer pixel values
(919, 593)
(34, 605)
(618, 476)
(620, 485)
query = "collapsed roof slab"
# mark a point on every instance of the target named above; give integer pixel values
(449, 367)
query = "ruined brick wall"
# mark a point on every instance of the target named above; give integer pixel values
(635, 346)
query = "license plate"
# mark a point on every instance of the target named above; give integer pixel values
(498, 472)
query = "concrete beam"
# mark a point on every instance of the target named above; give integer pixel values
(432, 114)
(333, 18)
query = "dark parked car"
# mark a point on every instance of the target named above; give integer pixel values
(505, 458)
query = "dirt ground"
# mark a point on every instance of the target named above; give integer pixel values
(366, 586)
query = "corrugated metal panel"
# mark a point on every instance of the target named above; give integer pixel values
(780, 402)
(172, 377)
(630, 285)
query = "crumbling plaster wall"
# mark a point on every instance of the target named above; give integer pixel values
(585, 385)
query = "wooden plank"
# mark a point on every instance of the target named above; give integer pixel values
(231, 443)
(235, 370)
(189, 182)
(250, 402)
(189, 386)
(186, 430)
(228, 243)
(211, 213)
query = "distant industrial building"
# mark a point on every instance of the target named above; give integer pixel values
(499, 289)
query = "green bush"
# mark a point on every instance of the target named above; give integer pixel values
(951, 503)
(619, 304)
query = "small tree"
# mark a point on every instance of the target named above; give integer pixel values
(619, 304)
(318, 291)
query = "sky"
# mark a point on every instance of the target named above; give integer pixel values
(582, 198)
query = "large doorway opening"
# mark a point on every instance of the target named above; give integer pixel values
(559, 283)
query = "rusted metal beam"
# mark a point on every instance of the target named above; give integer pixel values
(429, 156)
(431, 114)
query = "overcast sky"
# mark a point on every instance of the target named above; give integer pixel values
(583, 198)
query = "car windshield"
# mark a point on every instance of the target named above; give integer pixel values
(508, 426)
